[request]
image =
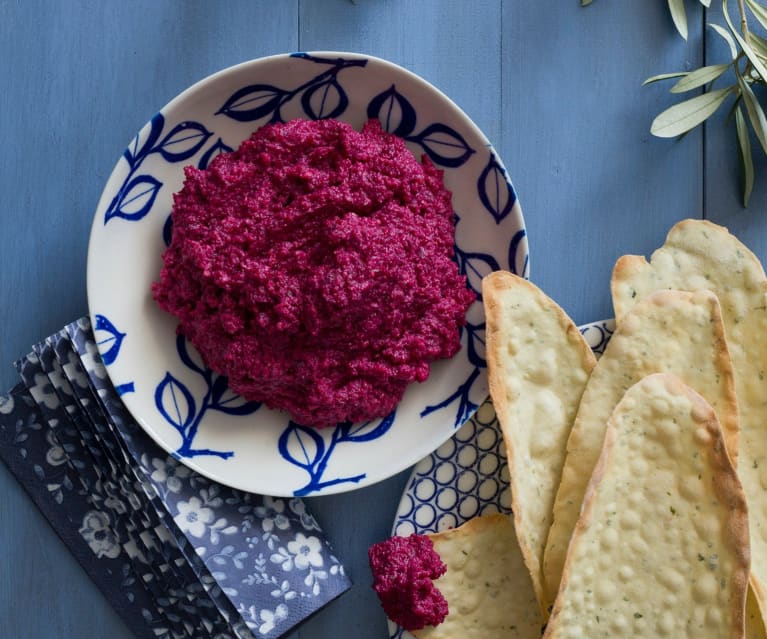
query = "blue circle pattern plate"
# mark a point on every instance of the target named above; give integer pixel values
(466, 476)
(187, 408)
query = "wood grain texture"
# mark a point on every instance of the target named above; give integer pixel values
(555, 87)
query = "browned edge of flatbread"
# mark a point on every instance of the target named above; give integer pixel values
(728, 490)
(631, 263)
(493, 287)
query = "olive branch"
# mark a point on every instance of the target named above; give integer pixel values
(748, 66)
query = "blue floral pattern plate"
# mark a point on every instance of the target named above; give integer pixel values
(466, 476)
(187, 408)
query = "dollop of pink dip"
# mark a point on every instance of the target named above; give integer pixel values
(312, 266)
(403, 572)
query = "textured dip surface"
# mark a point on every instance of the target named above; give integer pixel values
(313, 267)
(403, 572)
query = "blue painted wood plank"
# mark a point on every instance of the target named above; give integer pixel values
(593, 183)
(453, 44)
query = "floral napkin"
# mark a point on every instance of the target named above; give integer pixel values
(176, 554)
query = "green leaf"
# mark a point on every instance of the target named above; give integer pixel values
(759, 44)
(727, 38)
(745, 159)
(665, 76)
(688, 114)
(759, 12)
(699, 78)
(679, 16)
(755, 112)
(753, 58)
(586, 3)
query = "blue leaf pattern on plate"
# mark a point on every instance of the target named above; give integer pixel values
(462, 395)
(215, 149)
(175, 403)
(178, 407)
(107, 334)
(444, 145)
(136, 198)
(325, 100)
(474, 266)
(253, 102)
(321, 97)
(476, 344)
(305, 448)
(301, 446)
(394, 111)
(183, 141)
(519, 259)
(495, 191)
(167, 230)
(137, 193)
(365, 431)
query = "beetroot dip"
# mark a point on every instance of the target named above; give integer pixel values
(313, 267)
(403, 569)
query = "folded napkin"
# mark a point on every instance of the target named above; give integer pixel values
(175, 553)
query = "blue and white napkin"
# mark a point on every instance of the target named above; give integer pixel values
(177, 555)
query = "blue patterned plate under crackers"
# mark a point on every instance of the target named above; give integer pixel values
(188, 408)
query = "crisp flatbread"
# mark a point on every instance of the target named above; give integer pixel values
(538, 365)
(488, 589)
(754, 619)
(669, 331)
(661, 549)
(700, 255)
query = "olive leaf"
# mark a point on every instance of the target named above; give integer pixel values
(665, 76)
(726, 37)
(755, 112)
(699, 77)
(745, 159)
(760, 12)
(686, 115)
(750, 54)
(679, 16)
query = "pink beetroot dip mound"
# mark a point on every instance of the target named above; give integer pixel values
(312, 266)
(403, 569)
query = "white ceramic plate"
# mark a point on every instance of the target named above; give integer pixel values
(188, 409)
(467, 475)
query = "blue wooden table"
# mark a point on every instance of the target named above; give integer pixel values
(556, 87)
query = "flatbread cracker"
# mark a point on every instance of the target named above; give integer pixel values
(538, 365)
(754, 619)
(700, 255)
(670, 331)
(661, 549)
(487, 587)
